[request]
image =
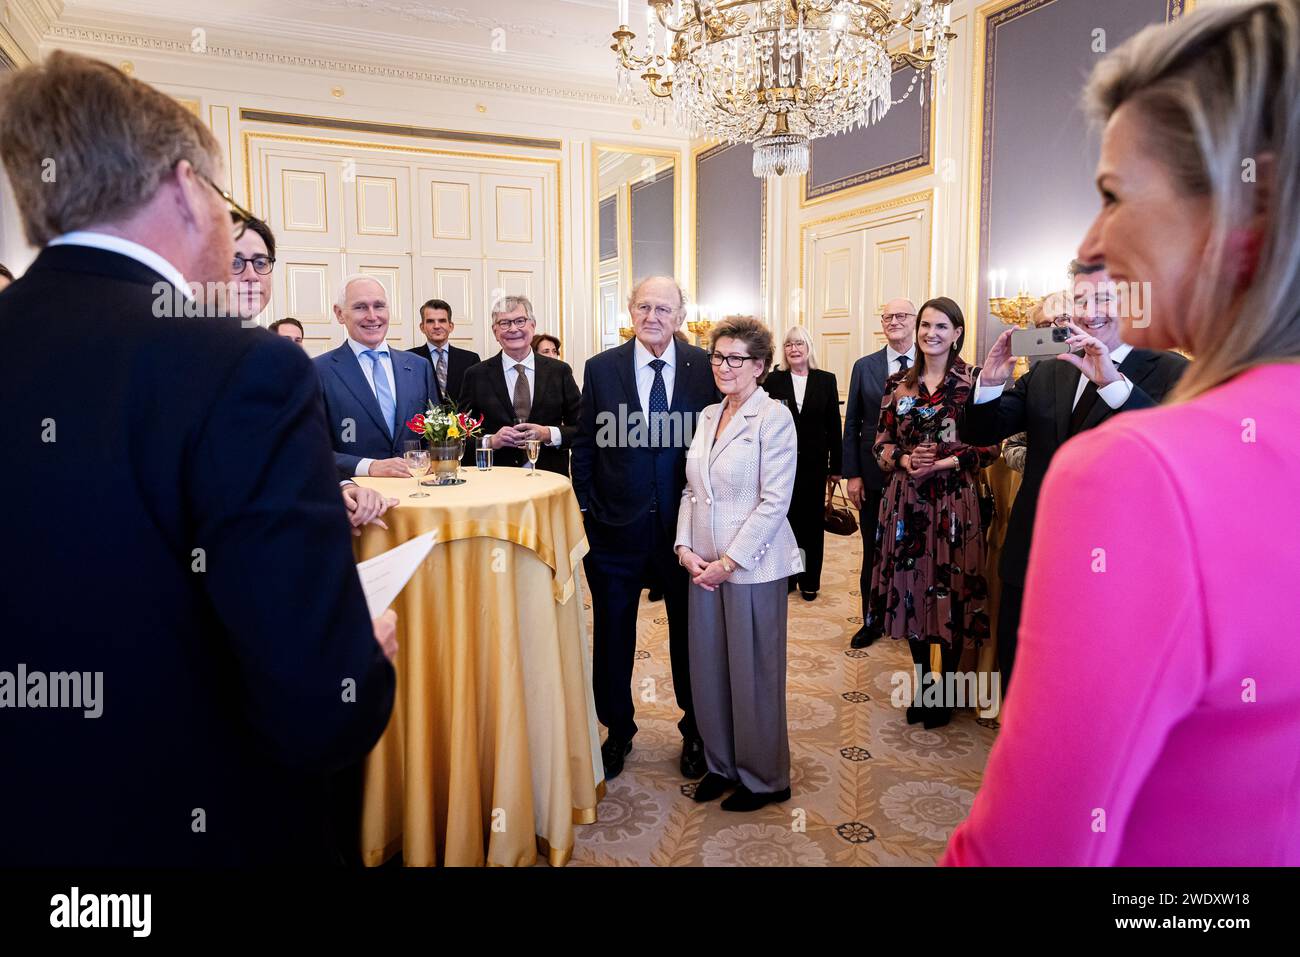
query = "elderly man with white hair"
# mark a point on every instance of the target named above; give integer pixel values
(369, 390)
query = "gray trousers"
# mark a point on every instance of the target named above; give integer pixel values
(737, 650)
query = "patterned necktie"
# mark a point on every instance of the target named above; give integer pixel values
(441, 370)
(383, 391)
(523, 400)
(903, 363)
(658, 391)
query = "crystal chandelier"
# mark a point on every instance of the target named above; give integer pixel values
(778, 73)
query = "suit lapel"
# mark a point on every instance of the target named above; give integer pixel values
(497, 373)
(405, 376)
(348, 368)
(1067, 384)
(626, 366)
(1136, 366)
(681, 379)
(738, 425)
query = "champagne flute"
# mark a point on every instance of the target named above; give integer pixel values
(417, 460)
(534, 448)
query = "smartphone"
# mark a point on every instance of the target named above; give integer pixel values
(1048, 341)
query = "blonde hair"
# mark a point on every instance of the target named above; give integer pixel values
(86, 144)
(800, 333)
(1215, 90)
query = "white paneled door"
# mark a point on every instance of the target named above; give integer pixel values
(855, 266)
(428, 224)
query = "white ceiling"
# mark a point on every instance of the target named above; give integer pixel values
(553, 42)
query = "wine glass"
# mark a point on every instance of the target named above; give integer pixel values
(534, 448)
(417, 460)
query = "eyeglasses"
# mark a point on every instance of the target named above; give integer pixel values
(661, 312)
(262, 265)
(898, 316)
(733, 362)
(245, 217)
(517, 323)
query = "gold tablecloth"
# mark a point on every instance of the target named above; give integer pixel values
(492, 754)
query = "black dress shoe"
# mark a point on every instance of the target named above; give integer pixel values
(654, 595)
(713, 787)
(692, 764)
(861, 638)
(809, 595)
(612, 753)
(746, 800)
(915, 715)
(937, 717)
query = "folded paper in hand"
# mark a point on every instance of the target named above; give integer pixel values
(384, 576)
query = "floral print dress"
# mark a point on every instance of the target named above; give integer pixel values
(928, 579)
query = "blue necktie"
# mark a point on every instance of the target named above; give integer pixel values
(656, 416)
(383, 392)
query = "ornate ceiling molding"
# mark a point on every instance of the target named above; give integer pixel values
(152, 42)
(419, 10)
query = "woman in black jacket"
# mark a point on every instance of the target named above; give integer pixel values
(814, 400)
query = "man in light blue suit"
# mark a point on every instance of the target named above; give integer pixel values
(369, 390)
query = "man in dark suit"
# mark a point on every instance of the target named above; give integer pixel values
(183, 551)
(522, 395)
(370, 391)
(449, 362)
(862, 414)
(1054, 400)
(629, 481)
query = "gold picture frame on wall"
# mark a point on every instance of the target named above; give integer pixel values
(897, 171)
(981, 116)
(668, 159)
(698, 155)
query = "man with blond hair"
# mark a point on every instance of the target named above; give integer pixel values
(184, 550)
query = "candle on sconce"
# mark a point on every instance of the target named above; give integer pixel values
(622, 13)
(1023, 285)
(993, 284)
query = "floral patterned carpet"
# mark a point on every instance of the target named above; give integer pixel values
(867, 788)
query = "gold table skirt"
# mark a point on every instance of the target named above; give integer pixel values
(492, 754)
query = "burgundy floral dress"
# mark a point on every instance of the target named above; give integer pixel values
(928, 580)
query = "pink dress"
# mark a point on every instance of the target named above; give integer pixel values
(1155, 716)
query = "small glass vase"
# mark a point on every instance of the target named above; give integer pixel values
(444, 461)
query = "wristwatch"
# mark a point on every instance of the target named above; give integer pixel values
(727, 564)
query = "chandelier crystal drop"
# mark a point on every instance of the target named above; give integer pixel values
(778, 73)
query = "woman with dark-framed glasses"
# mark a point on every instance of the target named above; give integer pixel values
(734, 540)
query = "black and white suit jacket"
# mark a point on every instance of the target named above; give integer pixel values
(821, 444)
(556, 401)
(1041, 403)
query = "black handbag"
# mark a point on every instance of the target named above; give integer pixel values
(838, 519)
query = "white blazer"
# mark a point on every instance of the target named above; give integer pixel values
(738, 491)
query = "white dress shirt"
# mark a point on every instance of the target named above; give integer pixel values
(800, 388)
(367, 370)
(530, 370)
(125, 247)
(891, 359)
(1114, 395)
(645, 375)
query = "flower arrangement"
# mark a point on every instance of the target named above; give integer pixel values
(441, 424)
